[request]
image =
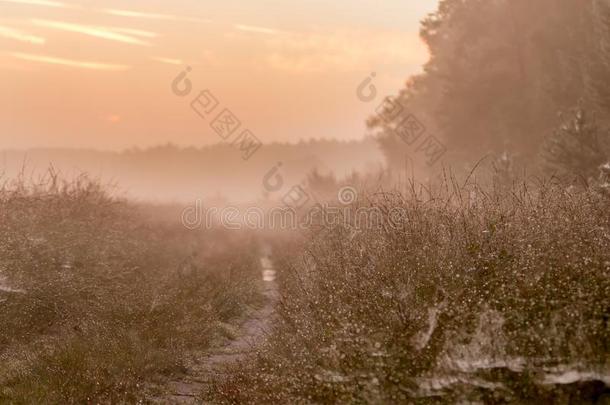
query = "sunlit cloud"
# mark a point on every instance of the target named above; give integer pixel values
(134, 32)
(343, 50)
(139, 14)
(11, 33)
(151, 16)
(255, 29)
(44, 3)
(111, 34)
(68, 62)
(168, 61)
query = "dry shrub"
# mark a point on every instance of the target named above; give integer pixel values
(468, 294)
(112, 300)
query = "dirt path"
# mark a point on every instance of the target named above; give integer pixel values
(251, 333)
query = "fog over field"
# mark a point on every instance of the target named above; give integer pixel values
(168, 174)
(304, 202)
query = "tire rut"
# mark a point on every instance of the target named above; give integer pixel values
(250, 335)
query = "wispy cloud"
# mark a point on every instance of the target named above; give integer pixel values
(68, 62)
(168, 61)
(111, 34)
(44, 3)
(343, 50)
(134, 32)
(255, 29)
(11, 33)
(138, 14)
(151, 16)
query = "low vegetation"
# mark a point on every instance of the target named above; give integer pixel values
(102, 296)
(493, 296)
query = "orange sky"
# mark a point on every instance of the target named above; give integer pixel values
(98, 74)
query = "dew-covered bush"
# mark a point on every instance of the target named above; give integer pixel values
(491, 296)
(101, 297)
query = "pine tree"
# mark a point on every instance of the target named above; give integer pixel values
(598, 64)
(574, 148)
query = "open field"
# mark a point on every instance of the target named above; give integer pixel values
(492, 296)
(305, 202)
(102, 298)
(505, 299)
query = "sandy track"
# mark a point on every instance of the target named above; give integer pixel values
(249, 336)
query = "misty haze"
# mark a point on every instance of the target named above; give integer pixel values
(302, 202)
